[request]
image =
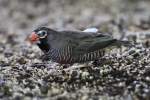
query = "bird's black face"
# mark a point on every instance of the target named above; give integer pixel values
(39, 35)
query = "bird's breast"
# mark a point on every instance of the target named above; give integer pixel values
(61, 55)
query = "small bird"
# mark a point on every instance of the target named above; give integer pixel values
(68, 47)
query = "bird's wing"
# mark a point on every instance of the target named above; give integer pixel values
(78, 34)
(85, 42)
(92, 44)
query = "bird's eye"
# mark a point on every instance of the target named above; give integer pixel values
(42, 34)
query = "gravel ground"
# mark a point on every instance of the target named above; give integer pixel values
(123, 74)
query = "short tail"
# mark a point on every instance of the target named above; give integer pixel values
(120, 43)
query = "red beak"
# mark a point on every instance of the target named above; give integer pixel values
(33, 37)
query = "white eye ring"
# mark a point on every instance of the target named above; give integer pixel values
(42, 34)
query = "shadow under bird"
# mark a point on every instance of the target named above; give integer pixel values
(68, 47)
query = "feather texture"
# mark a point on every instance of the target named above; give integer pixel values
(74, 47)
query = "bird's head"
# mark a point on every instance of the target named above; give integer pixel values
(38, 35)
(41, 36)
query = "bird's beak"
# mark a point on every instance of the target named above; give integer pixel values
(33, 38)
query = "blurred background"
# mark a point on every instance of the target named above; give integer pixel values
(120, 76)
(22, 16)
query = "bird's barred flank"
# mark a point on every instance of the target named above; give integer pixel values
(90, 56)
(62, 54)
(65, 55)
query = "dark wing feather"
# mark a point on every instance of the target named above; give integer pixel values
(95, 43)
(71, 38)
(78, 34)
(84, 42)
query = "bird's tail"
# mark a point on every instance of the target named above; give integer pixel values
(120, 43)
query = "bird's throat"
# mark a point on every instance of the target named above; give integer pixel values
(44, 46)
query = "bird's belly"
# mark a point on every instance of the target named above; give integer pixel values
(68, 58)
(62, 59)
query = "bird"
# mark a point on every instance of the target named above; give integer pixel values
(68, 47)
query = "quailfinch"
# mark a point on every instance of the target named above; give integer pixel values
(68, 47)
